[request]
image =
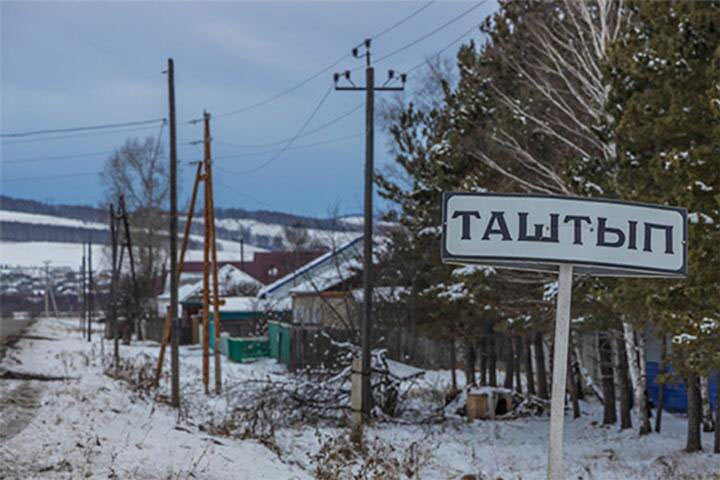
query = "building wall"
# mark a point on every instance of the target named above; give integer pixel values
(330, 309)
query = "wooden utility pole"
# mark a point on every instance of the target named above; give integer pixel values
(167, 327)
(213, 250)
(366, 326)
(174, 356)
(206, 285)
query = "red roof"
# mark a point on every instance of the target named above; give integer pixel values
(266, 267)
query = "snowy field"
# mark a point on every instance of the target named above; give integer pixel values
(93, 426)
(62, 254)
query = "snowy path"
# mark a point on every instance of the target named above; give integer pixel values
(93, 427)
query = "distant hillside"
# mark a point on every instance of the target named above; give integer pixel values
(34, 221)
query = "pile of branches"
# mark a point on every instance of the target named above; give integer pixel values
(262, 406)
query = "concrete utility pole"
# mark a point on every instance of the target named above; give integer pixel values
(47, 288)
(365, 393)
(90, 292)
(81, 291)
(174, 351)
(113, 284)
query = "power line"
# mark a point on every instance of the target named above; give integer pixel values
(442, 50)
(48, 177)
(79, 129)
(321, 72)
(289, 142)
(309, 132)
(427, 35)
(260, 202)
(263, 152)
(79, 135)
(394, 26)
(56, 157)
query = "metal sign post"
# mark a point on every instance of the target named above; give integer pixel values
(565, 235)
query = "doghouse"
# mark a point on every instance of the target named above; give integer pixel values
(488, 403)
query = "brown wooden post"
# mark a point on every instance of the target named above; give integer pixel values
(167, 327)
(213, 251)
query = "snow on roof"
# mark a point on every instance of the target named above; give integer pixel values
(228, 277)
(254, 304)
(307, 268)
(382, 294)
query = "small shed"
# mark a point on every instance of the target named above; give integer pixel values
(488, 402)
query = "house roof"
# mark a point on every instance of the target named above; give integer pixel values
(266, 267)
(253, 304)
(305, 274)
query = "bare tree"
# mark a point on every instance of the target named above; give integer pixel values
(137, 171)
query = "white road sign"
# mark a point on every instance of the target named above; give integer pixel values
(597, 236)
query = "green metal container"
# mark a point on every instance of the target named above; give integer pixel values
(244, 349)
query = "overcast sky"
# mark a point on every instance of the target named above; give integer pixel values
(67, 64)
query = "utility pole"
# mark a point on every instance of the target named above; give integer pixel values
(47, 288)
(210, 206)
(81, 290)
(365, 393)
(113, 284)
(84, 294)
(90, 292)
(174, 353)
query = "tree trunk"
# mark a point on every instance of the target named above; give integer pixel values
(517, 348)
(694, 443)
(470, 359)
(509, 363)
(717, 413)
(622, 385)
(540, 366)
(483, 361)
(636, 356)
(606, 374)
(573, 385)
(492, 360)
(661, 385)
(527, 357)
(453, 363)
(708, 422)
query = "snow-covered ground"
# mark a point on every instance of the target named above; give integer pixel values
(93, 426)
(62, 254)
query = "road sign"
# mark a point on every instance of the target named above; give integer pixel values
(596, 236)
(564, 234)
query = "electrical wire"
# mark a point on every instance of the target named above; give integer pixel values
(79, 129)
(309, 132)
(394, 26)
(289, 142)
(321, 72)
(427, 35)
(260, 202)
(442, 50)
(48, 177)
(263, 152)
(307, 145)
(56, 157)
(80, 135)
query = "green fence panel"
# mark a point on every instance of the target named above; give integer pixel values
(244, 349)
(274, 340)
(284, 340)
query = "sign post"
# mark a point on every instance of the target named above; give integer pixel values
(565, 235)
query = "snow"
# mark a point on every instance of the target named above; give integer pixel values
(34, 254)
(92, 426)
(12, 216)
